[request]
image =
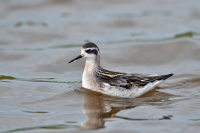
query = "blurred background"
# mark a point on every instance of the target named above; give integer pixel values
(38, 38)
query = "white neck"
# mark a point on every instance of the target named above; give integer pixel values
(89, 79)
(92, 63)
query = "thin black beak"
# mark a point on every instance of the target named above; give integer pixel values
(78, 57)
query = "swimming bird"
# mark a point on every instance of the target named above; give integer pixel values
(113, 83)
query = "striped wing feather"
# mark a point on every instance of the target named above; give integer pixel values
(128, 81)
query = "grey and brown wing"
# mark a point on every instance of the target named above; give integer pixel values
(143, 81)
(129, 81)
(110, 77)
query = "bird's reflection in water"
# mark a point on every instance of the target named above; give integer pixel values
(97, 107)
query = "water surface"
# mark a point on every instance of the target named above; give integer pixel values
(40, 92)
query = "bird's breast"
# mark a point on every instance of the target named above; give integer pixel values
(89, 81)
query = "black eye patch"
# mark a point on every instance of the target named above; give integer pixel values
(89, 51)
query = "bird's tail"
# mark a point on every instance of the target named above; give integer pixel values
(163, 77)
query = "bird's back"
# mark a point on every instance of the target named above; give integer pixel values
(119, 84)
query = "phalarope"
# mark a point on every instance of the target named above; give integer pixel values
(113, 83)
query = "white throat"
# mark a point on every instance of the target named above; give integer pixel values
(92, 63)
(88, 78)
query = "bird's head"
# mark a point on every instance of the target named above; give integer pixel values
(90, 51)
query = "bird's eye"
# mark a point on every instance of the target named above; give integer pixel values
(87, 50)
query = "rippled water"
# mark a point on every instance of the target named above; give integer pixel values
(40, 92)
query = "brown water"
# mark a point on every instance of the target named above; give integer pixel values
(40, 92)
